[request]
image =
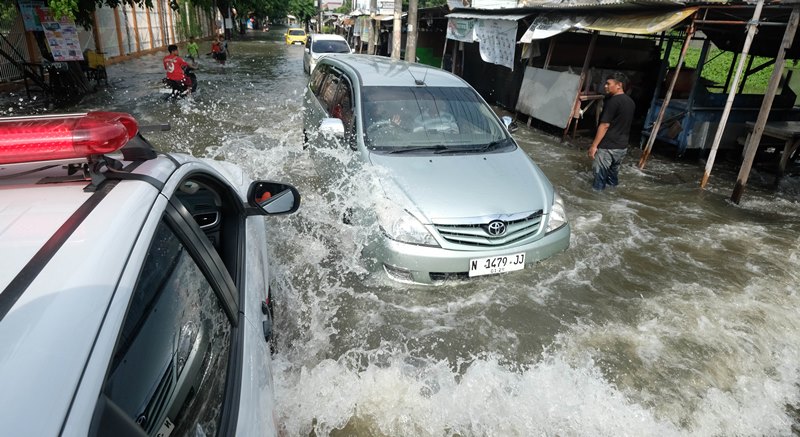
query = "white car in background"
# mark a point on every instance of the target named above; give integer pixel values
(134, 285)
(319, 44)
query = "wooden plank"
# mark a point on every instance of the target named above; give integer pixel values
(751, 32)
(752, 145)
(657, 124)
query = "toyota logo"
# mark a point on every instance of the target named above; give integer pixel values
(496, 228)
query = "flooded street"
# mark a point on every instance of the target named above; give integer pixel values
(673, 312)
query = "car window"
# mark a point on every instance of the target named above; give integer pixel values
(342, 108)
(317, 78)
(169, 366)
(328, 91)
(330, 46)
(452, 117)
(297, 32)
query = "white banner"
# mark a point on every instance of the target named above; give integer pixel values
(497, 41)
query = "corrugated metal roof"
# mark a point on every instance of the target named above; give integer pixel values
(485, 16)
(588, 4)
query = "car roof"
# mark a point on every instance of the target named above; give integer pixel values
(326, 36)
(50, 318)
(382, 71)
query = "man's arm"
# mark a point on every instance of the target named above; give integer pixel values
(601, 132)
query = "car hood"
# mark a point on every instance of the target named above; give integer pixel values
(450, 187)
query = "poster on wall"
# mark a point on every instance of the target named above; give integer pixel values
(497, 41)
(461, 29)
(61, 36)
(30, 19)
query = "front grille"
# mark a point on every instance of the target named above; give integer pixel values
(443, 277)
(476, 235)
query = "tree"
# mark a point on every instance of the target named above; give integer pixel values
(302, 9)
(345, 8)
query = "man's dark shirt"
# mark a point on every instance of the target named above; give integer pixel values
(618, 112)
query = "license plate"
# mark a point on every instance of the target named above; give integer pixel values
(496, 264)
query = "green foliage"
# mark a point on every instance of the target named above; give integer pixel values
(302, 9)
(189, 24)
(347, 6)
(8, 13)
(62, 8)
(717, 65)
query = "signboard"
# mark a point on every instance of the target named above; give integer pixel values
(385, 7)
(548, 95)
(30, 19)
(498, 39)
(61, 36)
(461, 29)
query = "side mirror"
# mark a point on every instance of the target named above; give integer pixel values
(510, 124)
(272, 198)
(352, 50)
(331, 127)
(308, 50)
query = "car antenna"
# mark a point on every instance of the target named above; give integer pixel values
(419, 81)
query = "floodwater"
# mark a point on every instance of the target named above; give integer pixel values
(673, 313)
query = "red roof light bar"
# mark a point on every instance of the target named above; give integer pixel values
(24, 139)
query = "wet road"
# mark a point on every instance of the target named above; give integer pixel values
(673, 312)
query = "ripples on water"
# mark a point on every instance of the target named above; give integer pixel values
(674, 312)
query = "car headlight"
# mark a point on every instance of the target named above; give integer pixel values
(558, 216)
(401, 226)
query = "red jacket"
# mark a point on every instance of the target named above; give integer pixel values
(174, 65)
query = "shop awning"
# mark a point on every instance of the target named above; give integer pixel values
(638, 23)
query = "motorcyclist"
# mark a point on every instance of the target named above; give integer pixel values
(179, 73)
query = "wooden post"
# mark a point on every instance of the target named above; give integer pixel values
(576, 101)
(455, 56)
(444, 51)
(752, 27)
(119, 32)
(98, 45)
(550, 49)
(752, 144)
(657, 124)
(136, 28)
(150, 30)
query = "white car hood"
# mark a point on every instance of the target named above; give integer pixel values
(451, 187)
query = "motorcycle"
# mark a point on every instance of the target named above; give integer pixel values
(180, 89)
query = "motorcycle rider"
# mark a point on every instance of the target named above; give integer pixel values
(179, 75)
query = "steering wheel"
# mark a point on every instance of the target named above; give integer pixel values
(384, 126)
(444, 122)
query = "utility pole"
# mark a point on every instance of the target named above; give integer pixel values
(411, 35)
(397, 29)
(319, 18)
(373, 27)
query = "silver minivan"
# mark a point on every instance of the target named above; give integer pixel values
(458, 197)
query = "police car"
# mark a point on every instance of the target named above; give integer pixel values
(134, 285)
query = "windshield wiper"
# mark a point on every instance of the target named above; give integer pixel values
(437, 149)
(492, 145)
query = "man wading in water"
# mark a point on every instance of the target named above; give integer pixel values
(611, 141)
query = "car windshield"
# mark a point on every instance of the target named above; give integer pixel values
(330, 46)
(429, 120)
(297, 32)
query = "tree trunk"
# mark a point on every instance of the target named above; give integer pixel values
(397, 29)
(374, 27)
(411, 36)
